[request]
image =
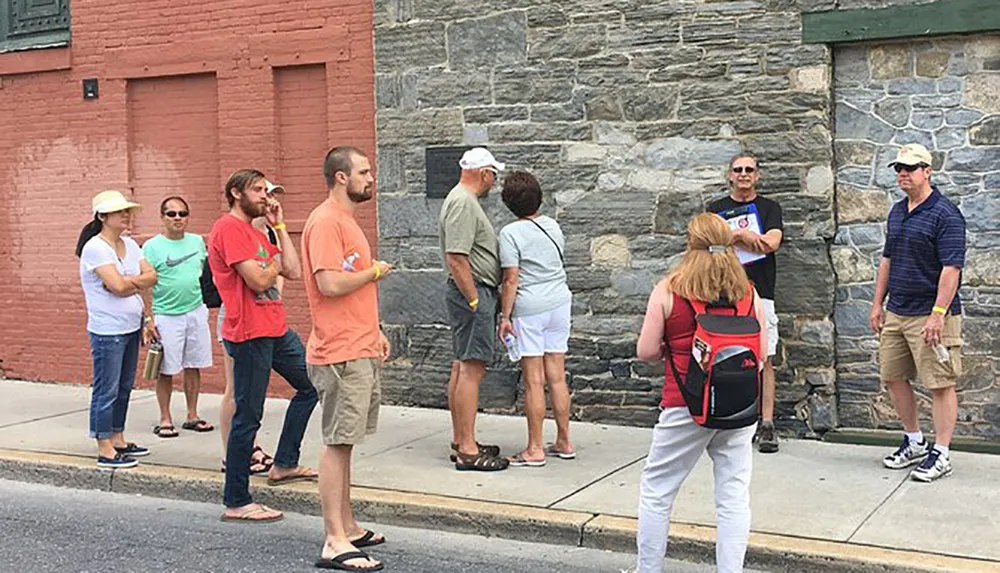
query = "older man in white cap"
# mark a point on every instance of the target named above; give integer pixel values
(921, 335)
(471, 252)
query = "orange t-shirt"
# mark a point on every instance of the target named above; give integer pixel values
(343, 327)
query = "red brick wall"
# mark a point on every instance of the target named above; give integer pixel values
(189, 92)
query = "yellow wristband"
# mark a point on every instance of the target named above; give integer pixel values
(378, 271)
(279, 226)
(940, 310)
(474, 303)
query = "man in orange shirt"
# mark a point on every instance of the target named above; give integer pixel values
(346, 347)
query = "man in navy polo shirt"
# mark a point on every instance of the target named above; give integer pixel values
(921, 335)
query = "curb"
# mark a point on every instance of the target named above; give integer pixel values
(490, 519)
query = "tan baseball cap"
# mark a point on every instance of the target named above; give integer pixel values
(913, 154)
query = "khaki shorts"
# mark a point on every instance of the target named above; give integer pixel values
(350, 394)
(905, 356)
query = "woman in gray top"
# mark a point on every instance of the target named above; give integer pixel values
(535, 313)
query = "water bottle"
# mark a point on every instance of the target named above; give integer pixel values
(348, 264)
(513, 352)
(941, 351)
(154, 356)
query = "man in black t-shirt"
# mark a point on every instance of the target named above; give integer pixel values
(757, 233)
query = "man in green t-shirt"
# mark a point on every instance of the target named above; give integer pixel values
(180, 317)
(470, 251)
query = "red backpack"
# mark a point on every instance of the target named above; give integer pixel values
(722, 386)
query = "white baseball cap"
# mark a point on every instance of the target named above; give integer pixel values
(272, 188)
(913, 154)
(479, 157)
(111, 202)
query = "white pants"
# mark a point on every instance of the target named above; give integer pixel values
(678, 442)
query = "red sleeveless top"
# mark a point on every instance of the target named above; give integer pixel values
(678, 331)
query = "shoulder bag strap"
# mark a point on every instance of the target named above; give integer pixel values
(542, 229)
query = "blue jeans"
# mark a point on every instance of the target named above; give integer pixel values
(252, 364)
(115, 359)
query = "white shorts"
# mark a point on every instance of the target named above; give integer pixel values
(545, 332)
(187, 341)
(771, 318)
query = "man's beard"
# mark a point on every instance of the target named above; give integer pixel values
(365, 194)
(253, 210)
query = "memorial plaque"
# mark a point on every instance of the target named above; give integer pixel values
(442, 170)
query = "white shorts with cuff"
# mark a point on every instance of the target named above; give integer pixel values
(186, 339)
(544, 333)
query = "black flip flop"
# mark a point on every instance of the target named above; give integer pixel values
(198, 425)
(368, 540)
(337, 562)
(165, 431)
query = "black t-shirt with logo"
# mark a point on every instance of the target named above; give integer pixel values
(761, 272)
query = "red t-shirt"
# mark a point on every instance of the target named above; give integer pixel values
(248, 314)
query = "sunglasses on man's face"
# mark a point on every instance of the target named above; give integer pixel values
(908, 168)
(741, 169)
(175, 214)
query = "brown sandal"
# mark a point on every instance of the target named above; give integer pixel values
(489, 449)
(481, 462)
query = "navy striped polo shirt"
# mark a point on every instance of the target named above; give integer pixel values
(920, 243)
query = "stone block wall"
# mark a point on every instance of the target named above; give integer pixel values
(628, 111)
(945, 94)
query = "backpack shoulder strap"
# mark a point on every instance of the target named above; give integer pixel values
(697, 306)
(746, 306)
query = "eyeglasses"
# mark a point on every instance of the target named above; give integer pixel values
(741, 169)
(909, 168)
(174, 214)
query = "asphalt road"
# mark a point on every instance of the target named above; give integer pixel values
(44, 528)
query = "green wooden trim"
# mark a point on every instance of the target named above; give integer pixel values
(936, 18)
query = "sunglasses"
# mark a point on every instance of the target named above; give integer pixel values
(174, 214)
(744, 169)
(909, 168)
(493, 171)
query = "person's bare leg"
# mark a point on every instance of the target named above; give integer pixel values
(905, 402)
(533, 370)
(333, 477)
(555, 375)
(106, 448)
(767, 394)
(192, 387)
(465, 404)
(945, 413)
(164, 388)
(456, 367)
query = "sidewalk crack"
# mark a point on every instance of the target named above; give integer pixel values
(588, 484)
(850, 538)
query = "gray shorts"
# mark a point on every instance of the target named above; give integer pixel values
(473, 332)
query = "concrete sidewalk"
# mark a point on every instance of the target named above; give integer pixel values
(834, 503)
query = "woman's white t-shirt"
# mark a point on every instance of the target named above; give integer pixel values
(108, 313)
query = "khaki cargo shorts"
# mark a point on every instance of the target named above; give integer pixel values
(350, 394)
(905, 356)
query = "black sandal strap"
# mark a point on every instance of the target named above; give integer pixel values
(350, 555)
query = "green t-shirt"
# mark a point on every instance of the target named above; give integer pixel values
(466, 230)
(178, 266)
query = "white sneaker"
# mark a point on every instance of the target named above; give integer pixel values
(906, 455)
(935, 465)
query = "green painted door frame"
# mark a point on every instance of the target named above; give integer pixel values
(938, 18)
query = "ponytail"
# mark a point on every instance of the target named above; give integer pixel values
(89, 231)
